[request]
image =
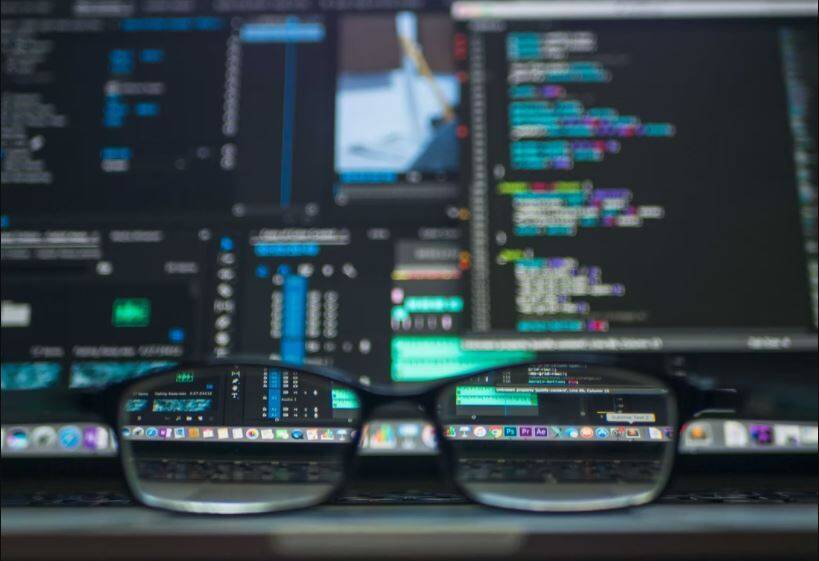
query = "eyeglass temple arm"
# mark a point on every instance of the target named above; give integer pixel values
(698, 397)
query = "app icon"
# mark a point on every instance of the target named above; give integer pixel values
(126, 432)
(193, 432)
(44, 437)
(736, 435)
(70, 437)
(428, 437)
(17, 439)
(297, 434)
(451, 432)
(786, 435)
(208, 433)
(89, 438)
(312, 434)
(496, 432)
(556, 432)
(137, 431)
(586, 432)
(571, 432)
(617, 432)
(382, 436)
(163, 432)
(809, 436)
(267, 434)
(408, 429)
(698, 434)
(179, 432)
(654, 433)
(103, 438)
(541, 432)
(236, 433)
(510, 432)
(601, 433)
(479, 431)
(152, 432)
(282, 434)
(327, 434)
(526, 432)
(632, 433)
(252, 434)
(222, 433)
(762, 434)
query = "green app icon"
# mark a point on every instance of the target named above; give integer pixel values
(131, 312)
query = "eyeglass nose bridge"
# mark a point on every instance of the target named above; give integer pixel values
(398, 407)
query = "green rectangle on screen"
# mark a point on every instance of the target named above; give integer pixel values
(344, 398)
(131, 312)
(490, 396)
(422, 359)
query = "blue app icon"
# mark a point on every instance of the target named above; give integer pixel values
(601, 432)
(69, 437)
(296, 434)
(571, 432)
(151, 432)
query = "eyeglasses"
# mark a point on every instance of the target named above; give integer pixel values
(255, 437)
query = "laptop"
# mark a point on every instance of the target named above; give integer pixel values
(407, 191)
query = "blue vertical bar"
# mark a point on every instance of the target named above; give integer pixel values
(295, 303)
(288, 124)
(274, 394)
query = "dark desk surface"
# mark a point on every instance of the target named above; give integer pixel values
(410, 532)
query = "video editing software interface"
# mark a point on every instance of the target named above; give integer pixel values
(403, 189)
(242, 404)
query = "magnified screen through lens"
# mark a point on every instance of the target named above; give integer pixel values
(237, 439)
(549, 437)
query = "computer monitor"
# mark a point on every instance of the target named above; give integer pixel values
(641, 175)
(185, 180)
(396, 190)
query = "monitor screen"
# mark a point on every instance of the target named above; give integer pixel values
(640, 179)
(192, 179)
(405, 190)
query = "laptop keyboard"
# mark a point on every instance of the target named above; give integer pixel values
(415, 497)
(291, 471)
(558, 471)
(488, 470)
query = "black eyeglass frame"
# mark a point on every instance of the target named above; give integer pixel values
(688, 401)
